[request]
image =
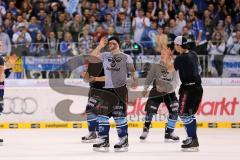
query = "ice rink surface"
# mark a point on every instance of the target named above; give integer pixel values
(65, 144)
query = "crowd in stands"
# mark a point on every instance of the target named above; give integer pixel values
(45, 27)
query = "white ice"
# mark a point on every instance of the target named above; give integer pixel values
(65, 144)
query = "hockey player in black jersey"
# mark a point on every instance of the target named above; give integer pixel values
(95, 77)
(190, 92)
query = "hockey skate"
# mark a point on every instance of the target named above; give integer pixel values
(190, 145)
(90, 138)
(171, 137)
(144, 134)
(102, 145)
(122, 146)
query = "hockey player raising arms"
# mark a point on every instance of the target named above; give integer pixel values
(164, 79)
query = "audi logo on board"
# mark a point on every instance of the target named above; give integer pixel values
(19, 105)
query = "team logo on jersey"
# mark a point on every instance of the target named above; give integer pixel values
(113, 62)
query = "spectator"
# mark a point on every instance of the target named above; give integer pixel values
(38, 47)
(199, 34)
(208, 24)
(170, 36)
(48, 26)
(13, 9)
(233, 44)
(8, 27)
(75, 27)
(173, 26)
(151, 8)
(20, 20)
(109, 22)
(123, 26)
(67, 47)
(189, 36)
(100, 32)
(95, 11)
(148, 39)
(85, 41)
(2, 13)
(161, 40)
(53, 44)
(26, 7)
(229, 26)
(137, 8)
(180, 23)
(187, 5)
(5, 43)
(102, 7)
(21, 40)
(61, 25)
(216, 48)
(126, 7)
(127, 45)
(110, 32)
(162, 18)
(112, 9)
(139, 24)
(93, 24)
(55, 12)
(34, 27)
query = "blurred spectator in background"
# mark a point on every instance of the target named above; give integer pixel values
(75, 26)
(189, 36)
(199, 34)
(170, 37)
(148, 39)
(110, 32)
(123, 25)
(112, 9)
(55, 12)
(2, 12)
(162, 18)
(233, 44)
(38, 46)
(5, 43)
(229, 26)
(34, 27)
(20, 20)
(48, 26)
(85, 41)
(67, 47)
(8, 27)
(109, 22)
(139, 24)
(127, 45)
(13, 9)
(100, 32)
(53, 44)
(61, 25)
(93, 23)
(21, 40)
(26, 7)
(161, 40)
(216, 48)
(208, 24)
(126, 7)
(180, 23)
(187, 5)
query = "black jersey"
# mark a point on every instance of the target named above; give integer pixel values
(188, 66)
(96, 70)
